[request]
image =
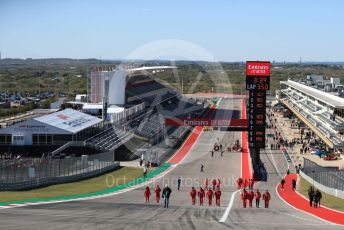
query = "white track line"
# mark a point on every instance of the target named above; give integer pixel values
(231, 201)
(228, 209)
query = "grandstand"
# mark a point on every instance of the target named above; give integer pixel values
(108, 139)
(151, 126)
(321, 111)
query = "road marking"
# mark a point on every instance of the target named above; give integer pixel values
(228, 209)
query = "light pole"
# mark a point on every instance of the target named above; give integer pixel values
(313, 171)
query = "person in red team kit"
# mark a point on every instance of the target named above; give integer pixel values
(206, 183)
(266, 198)
(239, 182)
(193, 194)
(210, 196)
(157, 191)
(147, 194)
(257, 195)
(201, 195)
(244, 197)
(217, 197)
(250, 198)
(214, 182)
(218, 184)
(251, 183)
(245, 183)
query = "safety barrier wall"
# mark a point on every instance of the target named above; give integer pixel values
(19, 174)
(328, 176)
(328, 190)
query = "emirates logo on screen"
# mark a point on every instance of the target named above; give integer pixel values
(257, 68)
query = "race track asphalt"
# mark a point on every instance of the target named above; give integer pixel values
(129, 211)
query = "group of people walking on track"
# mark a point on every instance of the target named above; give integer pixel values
(207, 191)
(166, 193)
(249, 196)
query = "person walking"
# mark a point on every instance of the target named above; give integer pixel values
(282, 183)
(217, 197)
(318, 197)
(166, 195)
(239, 182)
(245, 184)
(244, 197)
(218, 183)
(311, 196)
(212, 153)
(250, 198)
(147, 194)
(214, 183)
(179, 181)
(157, 191)
(202, 167)
(293, 184)
(201, 195)
(193, 194)
(210, 195)
(251, 184)
(257, 195)
(266, 198)
(206, 183)
(145, 171)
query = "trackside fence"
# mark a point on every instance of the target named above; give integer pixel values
(328, 176)
(27, 173)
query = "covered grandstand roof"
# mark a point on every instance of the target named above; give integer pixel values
(327, 98)
(69, 120)
(151, 68)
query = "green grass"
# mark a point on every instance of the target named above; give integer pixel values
(120, 176)
(327, 200)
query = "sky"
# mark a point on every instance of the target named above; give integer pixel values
(228, 30)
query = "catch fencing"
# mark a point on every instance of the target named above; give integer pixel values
(27, 173)
(328, 176)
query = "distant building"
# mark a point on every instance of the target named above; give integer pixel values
(99, 85)
(81, 98)
(331, 85)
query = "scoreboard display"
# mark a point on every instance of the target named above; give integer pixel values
(257, 82)
(258, 76)
(257, 118)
